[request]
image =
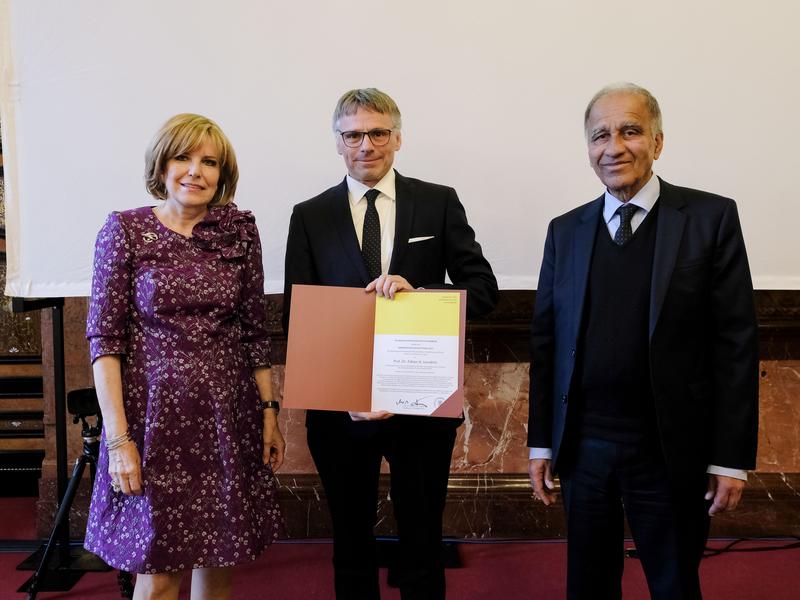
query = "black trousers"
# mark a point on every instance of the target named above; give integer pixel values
(348, 459)
(603, 480)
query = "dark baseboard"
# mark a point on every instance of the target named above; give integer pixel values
(483, 506)
(490, 506)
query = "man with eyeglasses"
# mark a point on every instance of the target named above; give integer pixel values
(385, 233)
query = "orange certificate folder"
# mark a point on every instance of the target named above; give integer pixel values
(332, 333)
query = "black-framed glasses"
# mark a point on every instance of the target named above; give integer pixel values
(378, 137)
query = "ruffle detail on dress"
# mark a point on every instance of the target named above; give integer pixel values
(225, 229)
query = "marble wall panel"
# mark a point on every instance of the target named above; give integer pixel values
(293, 427)
(779, 420)
(492, 439)
(493, 436)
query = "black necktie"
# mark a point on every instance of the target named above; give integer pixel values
(625, 231)
(371, 237)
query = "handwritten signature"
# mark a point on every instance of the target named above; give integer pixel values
(412, 404)
(419, 403)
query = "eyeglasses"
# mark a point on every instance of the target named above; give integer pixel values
(378, 137)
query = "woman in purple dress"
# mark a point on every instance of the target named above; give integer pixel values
(181, 365)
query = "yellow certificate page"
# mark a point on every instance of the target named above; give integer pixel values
(416, 355)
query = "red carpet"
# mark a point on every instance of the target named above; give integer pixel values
(493, 571)
(17, 518)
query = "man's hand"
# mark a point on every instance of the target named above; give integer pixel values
(388, 285)
(725, 493)
(370, 416)
(542, 480)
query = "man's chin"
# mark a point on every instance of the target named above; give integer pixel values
(370, 175)
(617, 185)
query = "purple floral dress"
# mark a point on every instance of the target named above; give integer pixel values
(187, 315)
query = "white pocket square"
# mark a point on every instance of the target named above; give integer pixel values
(420, 239)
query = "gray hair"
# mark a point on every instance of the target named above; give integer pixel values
(371, 99)
(629, 88)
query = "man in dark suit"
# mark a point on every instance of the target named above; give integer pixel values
(644, 367)
(386, 233)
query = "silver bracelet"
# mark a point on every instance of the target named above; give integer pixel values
(119, 441)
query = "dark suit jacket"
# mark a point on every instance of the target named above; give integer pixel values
(322, 248)
(702, 331)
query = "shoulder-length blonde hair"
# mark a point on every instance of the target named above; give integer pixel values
(184, 133)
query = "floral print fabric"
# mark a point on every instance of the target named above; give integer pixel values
(187, 317)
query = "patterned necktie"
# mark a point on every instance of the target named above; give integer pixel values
(625, 231)
(371, 237)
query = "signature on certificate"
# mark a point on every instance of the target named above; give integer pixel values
(419, 403)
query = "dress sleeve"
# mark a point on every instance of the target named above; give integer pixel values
(110, 304)
(252, 308)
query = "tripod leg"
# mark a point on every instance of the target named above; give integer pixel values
(125, 581)
(63, 511)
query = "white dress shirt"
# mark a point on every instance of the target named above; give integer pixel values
(645, 199)
(385, 204)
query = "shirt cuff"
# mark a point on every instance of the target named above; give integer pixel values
(546, 453)
(735, 473)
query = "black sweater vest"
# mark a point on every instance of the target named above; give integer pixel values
(614, 373)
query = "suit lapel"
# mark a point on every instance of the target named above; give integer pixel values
(582, 247)
(669, 232)
(404, 217)
(342, 219)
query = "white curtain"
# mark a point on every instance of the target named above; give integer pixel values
(492, 96)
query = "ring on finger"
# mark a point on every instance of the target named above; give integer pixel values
(115, 485)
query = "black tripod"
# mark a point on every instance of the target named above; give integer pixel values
(83, 405)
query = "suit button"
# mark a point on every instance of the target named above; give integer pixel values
(572, 352)
(564, 398)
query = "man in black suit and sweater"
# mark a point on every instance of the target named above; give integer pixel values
(644, 366)
(386, 233)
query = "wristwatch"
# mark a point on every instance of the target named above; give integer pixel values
(273, 404)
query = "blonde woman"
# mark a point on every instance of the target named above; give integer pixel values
(181, 364)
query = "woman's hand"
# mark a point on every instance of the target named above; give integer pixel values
(274, 444)
(125, 468)
(124, 463)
